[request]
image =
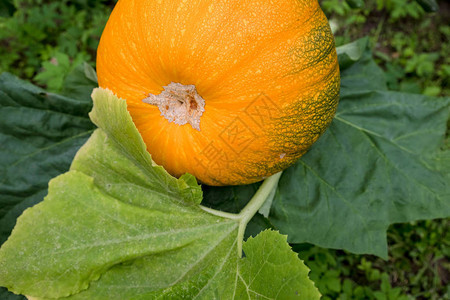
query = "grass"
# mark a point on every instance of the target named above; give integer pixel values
(43, 41)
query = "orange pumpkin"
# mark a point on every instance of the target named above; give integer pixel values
(229, 91)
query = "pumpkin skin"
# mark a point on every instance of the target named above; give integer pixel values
(267, 71)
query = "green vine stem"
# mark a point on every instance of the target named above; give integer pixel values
(247, 213)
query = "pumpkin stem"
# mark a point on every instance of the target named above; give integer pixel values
(179, 103)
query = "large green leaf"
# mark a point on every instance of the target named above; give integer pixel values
(39, 134)
(358, 69)
(6, 295)
(378, 163)
(79, 83)
(367, 173)
(118, 226)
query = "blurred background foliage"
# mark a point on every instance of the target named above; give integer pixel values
(44, 41)
(410, 39)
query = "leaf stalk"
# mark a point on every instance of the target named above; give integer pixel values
(247, 213)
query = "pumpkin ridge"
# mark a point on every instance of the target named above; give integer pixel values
(300, 138)
(315, 60)
(318, 10)
(217, 33)
(255, 54)
(326, 76)
(274, 39)
(323, 55)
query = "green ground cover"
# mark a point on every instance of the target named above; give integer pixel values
(44, 41)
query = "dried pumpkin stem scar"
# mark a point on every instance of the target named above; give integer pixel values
(179, 103)
(262, 194)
